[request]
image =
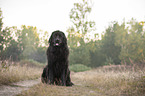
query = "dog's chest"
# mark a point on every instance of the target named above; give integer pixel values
(58, 55)
(58, 68)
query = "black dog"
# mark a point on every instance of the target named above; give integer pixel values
(57, 71)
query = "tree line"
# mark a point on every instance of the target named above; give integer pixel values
(119, 43)
(25, 43)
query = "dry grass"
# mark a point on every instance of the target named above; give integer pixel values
(97, 82)
(17, 73)
(115, 83)
(51, 90)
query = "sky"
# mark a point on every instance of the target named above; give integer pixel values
(51, 15)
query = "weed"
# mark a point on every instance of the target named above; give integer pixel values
(97, 82)
(18, 73)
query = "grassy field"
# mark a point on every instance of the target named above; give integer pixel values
(10, 73)
(103, 81)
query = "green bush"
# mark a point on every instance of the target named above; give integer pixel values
(79, 68)
(31, 63)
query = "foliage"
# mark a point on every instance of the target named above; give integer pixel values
(124, 42)
(78, 33)
(24, 43)
(31, 63)
(121, 42)
(79, 55)
(79, 68)
(109, 61)
(108, 48)
(39, 55)
(9, 47)
(82, 26)
(29, 40)
(95, 53)
(1, 35)
(132, 41)
(13, 51)
(30, 44)
(1, 23)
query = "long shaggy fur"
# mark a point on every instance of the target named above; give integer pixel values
(57, 71)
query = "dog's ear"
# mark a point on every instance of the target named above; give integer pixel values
(64, 39)
(50, 39)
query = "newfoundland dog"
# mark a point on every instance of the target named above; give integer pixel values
(57, 71)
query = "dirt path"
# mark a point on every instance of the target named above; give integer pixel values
(18, 87)
(81, 88)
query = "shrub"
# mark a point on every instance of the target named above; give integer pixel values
(31, 63)
(79, 68)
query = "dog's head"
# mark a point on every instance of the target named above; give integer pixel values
(57, 39)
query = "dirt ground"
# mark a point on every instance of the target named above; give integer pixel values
(88, 83)
(80, 88)
(18, 87)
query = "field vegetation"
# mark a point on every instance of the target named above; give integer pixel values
(79, 68)
(107, 64)
(111, 80)
(13, 72)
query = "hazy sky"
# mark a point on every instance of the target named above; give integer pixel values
(51, 15)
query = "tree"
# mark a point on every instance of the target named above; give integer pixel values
(16, 44)
(43, 38)
(29, 41)
(82, 26)
(9, 47)
(109, 48)
(12, 52)
(30, 44)
(78, 33)
(1, 35)
(97, 57)
(132, 42)
(1, 17)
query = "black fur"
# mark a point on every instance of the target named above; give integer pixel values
(57, 71)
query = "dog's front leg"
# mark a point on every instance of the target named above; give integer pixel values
(50, 77)
(63, 78)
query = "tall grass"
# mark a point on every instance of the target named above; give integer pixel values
(14, 72)
(104, 81)
(115, 82)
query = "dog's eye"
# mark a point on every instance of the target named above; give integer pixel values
(55, 35)
(60, 35)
